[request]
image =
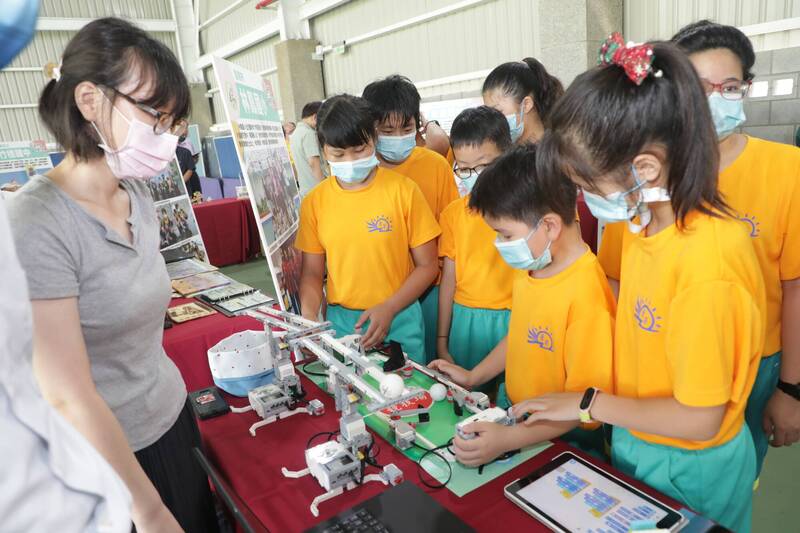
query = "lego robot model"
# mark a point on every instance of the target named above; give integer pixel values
(275, 401)
(338, 465)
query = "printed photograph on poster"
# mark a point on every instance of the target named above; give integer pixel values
(273, 193)
(175, 223)
(269, 231)
(20, 161)
(167, 185)
(286, 263)
(193, 246)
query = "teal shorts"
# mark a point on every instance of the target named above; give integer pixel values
(430, 315)
(768, 373)
(475, 332)
(407, 328)
(716, 482)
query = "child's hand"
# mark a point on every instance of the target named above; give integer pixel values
(459, 375)
(487, 444)
(380, 321)
(563, 406)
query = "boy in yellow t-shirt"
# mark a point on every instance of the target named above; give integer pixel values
(475, 291)
(372, 230)
(562, 315)
(395, 102)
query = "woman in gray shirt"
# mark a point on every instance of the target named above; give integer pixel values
(88, 240)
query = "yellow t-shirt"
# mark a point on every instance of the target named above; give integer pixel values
(434, 176)
(610, 252)
(483, 279)
(690, 320)
(560, 337)
(763, 187)
(365, 235)
(451, 157)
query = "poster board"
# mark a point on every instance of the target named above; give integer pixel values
(177, 223)
(267, 171)
(19, 161)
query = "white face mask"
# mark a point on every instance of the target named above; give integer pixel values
(143, 154)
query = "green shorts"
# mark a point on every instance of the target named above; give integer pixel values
(716, 482)
(430, 315)
(768, 373)
(475, 332)
(407, 328)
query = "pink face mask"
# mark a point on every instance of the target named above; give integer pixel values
(143, 154)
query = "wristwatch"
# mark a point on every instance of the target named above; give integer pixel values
(584, 414)
(792, 389)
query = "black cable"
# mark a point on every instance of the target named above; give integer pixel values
(321, 433)
(434, 451)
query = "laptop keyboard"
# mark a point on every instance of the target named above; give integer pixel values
(361, 521)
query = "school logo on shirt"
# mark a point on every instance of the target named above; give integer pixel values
(541, 337)
(646, 316)
(752, 224)
(380, 224)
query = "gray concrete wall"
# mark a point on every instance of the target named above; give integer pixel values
(571, 32)
(776, 118)
(299, 76)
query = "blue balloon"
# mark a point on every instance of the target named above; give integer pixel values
(17, 26)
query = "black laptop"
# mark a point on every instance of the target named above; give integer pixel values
(400, 509)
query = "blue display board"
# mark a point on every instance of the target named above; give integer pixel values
(226, 157)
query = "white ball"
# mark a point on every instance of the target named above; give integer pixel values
(438, 392)
(392, 386)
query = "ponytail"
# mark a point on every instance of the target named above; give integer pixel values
(526, 78)
(549, 88)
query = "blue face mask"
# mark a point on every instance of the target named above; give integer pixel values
(614, 207)
(396, 149)
(353, 171)
(17, 25)
(727, 114)
(518, 254)
(516, 124)
(465, 186)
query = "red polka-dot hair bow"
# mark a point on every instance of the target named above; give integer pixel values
(635, 59)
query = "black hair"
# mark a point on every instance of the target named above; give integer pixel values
(107, 52)
(475, 125)
(345, 121)
(528, 77)
(512, 187)
(393, 95)
(310, 109)
(706, 35)
(604, 121)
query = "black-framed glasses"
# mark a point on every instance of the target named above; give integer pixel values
(164, 121)
(467, 173)
(729, 90)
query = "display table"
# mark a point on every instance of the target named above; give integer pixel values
(252, 465)
(229, 230)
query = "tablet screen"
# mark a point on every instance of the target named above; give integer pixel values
(580, 499)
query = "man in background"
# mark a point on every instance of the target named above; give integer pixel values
(186, 161)
(305, 149)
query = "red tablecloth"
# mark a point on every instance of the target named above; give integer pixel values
(252, 465)
(229, 230)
